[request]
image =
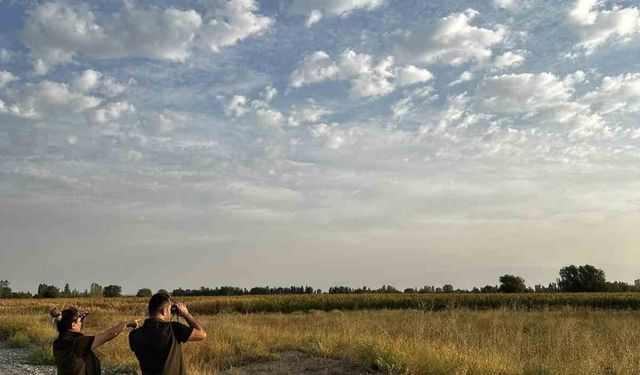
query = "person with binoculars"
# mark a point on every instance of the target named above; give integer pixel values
(73, 351)
(157, 344)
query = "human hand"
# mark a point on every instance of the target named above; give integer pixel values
(181, 308)
(133, 324)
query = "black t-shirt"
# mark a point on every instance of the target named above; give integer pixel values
(151, 343)
(73, 355)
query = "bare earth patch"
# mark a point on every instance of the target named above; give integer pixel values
(293, 362)
(14, 361)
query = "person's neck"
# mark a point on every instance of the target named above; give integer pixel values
(158, 317)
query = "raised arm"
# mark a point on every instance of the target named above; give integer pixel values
(112, 333)
(198, 333)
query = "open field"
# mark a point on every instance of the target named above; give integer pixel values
(559, 340)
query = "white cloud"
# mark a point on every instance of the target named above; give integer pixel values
(110, 113)
(507, 4)
(508, 60)
(331, 135)
(464, 77)
(231, 22)
(315, 67)
(317, 9)
(94, 81)
(367, 79)
(408, 75)
(236, 107)
(86, 81)
(6, 77)
(314, 17)
(450, 40)
(523, 93)
(268, 116)
(240, 106)
(597, 26)
(616, 93)
(306, 114)
(269, 93)
(47, 95)
(55, 32)
(166, 121)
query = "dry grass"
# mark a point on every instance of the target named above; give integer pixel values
(566, 341)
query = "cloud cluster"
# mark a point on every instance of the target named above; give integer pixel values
(451, 40)
(110, 113)
(87, 93)
(261, 111)
(597, 26)
(616, 93)
(6, 77)
(523, 93)
(317, 9)
(56, 31)
(367, 78)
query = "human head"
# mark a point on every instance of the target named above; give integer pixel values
(69, 319)
(160, 305)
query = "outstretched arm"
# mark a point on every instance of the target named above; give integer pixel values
(198, 333)
(111, 333)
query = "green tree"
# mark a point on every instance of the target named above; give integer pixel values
(5, 290)
(512, 284)
(112, 291)
(144, 292)
(67, 290)
(447, 288)
(585, 278)
(48, 291)
(95, 290)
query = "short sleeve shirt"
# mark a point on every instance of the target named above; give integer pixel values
(151, 343)
(73, 355)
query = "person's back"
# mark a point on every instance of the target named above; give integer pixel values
(153, 342)
(73, 354)
(158, 343)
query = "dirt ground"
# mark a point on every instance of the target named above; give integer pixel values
(14, 361)
(300, 363)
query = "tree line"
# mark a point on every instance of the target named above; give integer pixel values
(571, 279)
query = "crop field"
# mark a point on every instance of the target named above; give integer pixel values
(442, 334)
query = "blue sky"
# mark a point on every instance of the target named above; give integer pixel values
(165, 144)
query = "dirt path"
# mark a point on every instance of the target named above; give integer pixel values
(290, 363)
(13, 361)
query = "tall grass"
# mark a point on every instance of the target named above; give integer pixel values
(562, 341)
(329, 302)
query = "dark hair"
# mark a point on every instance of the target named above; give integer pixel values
(157, 302)
(64, 320)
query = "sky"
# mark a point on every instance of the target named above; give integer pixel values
(167, 144)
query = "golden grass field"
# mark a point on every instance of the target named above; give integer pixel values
(563, 340)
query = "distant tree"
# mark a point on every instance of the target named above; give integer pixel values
(447, 288)
(112, 291)
(162, 291)
(585, 278)
(489, 289)
(144, 292)
(410, 290)
(48, 291)
(95, 290)
(512, 284)
(67, 290)
(637, 283)
(618, 286)
(5, 290)
(21, 295)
